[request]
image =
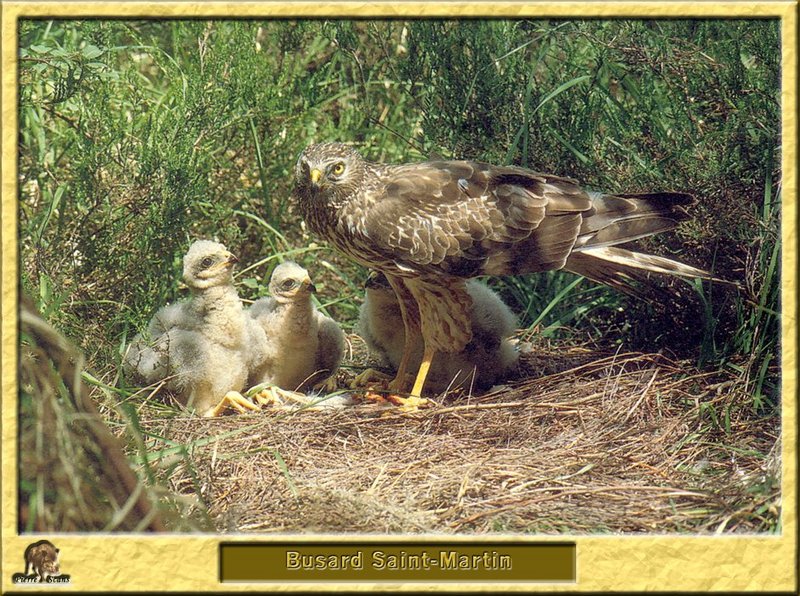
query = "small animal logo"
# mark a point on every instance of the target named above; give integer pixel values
(41, 565)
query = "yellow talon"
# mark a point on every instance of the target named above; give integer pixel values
(232, 399)
(275, 396)
(410, 404)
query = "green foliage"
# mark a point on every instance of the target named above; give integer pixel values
(137, 137)
(759, 319)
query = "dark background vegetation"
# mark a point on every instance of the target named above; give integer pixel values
(137, 137)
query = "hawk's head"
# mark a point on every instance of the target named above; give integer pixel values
(208, 264)
(290, 283)
(328, 174)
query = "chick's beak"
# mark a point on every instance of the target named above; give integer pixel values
(309, 286)
(377, 281)
(232, 259)
(371, 281)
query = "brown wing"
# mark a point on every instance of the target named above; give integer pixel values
(468, 218)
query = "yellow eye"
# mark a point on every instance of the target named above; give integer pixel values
(338, 169)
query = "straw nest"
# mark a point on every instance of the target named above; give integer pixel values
(583, 442)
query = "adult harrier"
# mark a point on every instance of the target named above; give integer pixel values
(428, 226)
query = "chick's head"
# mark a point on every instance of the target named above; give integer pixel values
(208, 264)
(290, 283)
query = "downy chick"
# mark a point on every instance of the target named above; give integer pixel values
(200, 346)
(303, 346)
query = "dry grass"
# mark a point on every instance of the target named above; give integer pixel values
(595, 443)
(73, 473)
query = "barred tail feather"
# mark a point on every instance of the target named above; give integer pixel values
(637, 260)
(622, 269)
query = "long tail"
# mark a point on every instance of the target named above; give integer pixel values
(624, 269)
(620, 218)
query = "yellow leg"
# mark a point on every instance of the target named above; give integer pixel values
(422, 374)
(414, 402)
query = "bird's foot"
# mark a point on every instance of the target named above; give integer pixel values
(275, 396)
(410, 404)
(234, 400)
(377, 384)
(267, 397)
(400, 383)
(370, 377)
(329, 385)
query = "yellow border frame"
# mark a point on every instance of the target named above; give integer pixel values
(149, 563)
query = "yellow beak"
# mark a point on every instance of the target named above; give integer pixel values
(316, 176)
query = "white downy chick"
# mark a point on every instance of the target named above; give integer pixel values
(303, 346)
(200, 346)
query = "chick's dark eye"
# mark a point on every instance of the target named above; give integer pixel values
(338, 169)
(207, 262)
(288, 284)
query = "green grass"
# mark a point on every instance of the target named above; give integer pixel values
(138, 136)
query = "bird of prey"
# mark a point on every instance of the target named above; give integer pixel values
(487, 359)
(199, 347)
(428, 226)
(303, 346)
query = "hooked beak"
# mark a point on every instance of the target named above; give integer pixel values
(232, 259)
(316, 176)
(307, 284)
(376, 281)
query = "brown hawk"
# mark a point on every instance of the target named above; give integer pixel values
(429, 226)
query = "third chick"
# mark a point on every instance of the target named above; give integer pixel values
(489, 358)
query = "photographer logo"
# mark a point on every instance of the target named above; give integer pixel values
(41, 565)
